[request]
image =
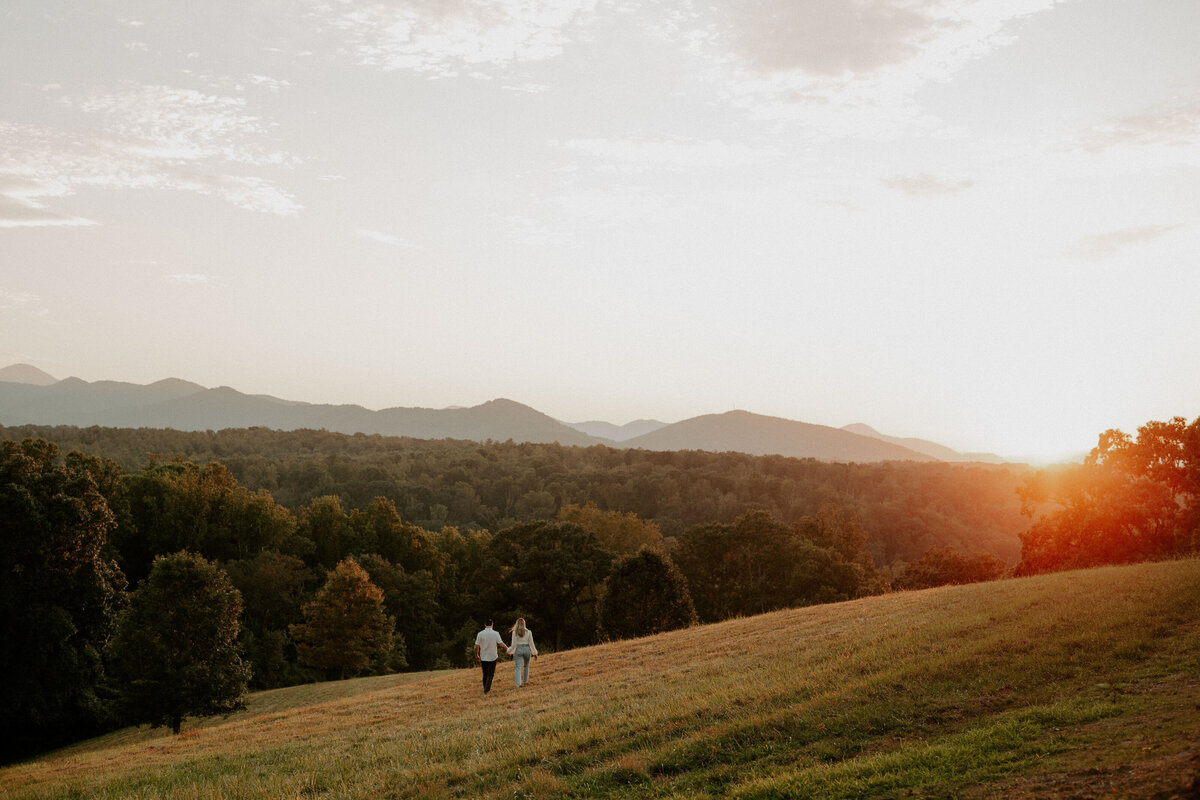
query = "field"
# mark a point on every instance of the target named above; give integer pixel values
(1079, 684)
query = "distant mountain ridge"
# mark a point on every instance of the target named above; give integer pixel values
(26, 373)
(759, 435)
(29, 396)
(938, 451)
(617, 433)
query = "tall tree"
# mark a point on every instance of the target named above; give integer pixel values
(326, 525)
(58, 595)
(410, 598)
(272, 585)
(758, 564)
(345, 626)
(1132, 499)
(183, 506)
(175, 652)
(555, 570)
(645, 594)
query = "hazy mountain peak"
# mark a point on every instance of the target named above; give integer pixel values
(26, 373)
(177, 384)
(862, 429)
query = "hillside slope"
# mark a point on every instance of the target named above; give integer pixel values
(1070, 685)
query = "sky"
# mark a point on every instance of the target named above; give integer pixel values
(971, 221)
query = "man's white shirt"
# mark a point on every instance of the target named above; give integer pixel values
(487, 639)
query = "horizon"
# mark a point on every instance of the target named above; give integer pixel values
(947, 220)
(1008, 457)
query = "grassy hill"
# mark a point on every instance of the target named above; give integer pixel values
(1080, 684)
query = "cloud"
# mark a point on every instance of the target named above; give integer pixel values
(829, 37)
(445, 38)
(19, 209)
(383, 238)
(19, 301)
(143, 137)
(843, 67)
(171, 123)
(188, 279)
(1172, 123)
(926, 185)
(1106, 245)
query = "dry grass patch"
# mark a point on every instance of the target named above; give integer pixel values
(941, 692)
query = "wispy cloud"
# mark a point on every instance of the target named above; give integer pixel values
(19, 207)
(451, 38)
(19, 301)
(1106, 245)
(189, 279)
(144, 137)
(383, 238)
(171, 123)
(1173, 123)
(926, 185)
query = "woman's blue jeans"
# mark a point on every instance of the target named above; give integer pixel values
(521, 664)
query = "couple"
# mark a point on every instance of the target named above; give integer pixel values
(521, 650)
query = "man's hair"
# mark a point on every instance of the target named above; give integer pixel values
(490, 623)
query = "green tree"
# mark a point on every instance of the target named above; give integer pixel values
(58, 595)
(619, 532)
(945, 565)
(379, 529)
(272, 585)
(411, 600)
(182, 506)
(758, 564)
(555, 571)
(326, 525)
(345, 626)
(175, 651)
(645, 594)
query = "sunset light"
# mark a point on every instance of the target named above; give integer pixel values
(967, 221)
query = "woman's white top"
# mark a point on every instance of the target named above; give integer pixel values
(518, 640)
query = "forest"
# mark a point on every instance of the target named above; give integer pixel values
(309, 555)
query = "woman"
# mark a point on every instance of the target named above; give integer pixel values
(521, 649)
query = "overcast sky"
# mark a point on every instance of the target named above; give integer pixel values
(972, 221)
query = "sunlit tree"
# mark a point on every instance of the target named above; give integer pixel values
(345, 626)
(1132, 499)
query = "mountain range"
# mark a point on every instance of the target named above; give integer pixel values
(29, 396)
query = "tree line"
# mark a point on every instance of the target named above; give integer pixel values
(153, 595)
(150, 589)
(905, 507)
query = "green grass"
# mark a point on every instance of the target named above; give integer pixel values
(1015, 688)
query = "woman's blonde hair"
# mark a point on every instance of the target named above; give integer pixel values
(519, 627)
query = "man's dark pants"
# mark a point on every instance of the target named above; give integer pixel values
(489, 672)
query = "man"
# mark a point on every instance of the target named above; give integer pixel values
(486, 655)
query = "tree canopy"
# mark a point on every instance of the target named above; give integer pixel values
(1133, 498)
(345, 625)
(58, 593)
(175, 651)
(645, 594)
